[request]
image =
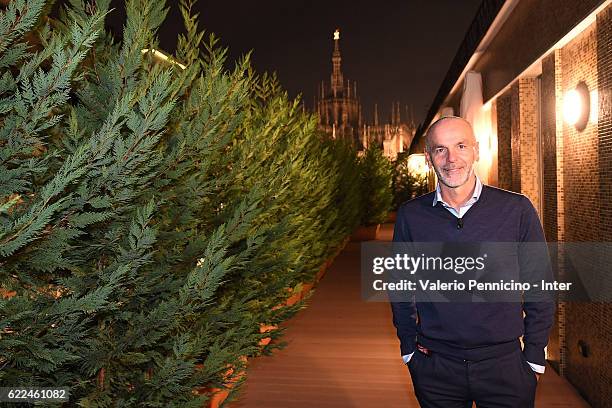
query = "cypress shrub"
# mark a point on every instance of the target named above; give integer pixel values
(152, 215)
(376, 178)
(406, 184)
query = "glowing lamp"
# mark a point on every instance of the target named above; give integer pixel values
(417, 164)
(577, 106)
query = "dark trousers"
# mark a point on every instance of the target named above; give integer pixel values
(442, 381)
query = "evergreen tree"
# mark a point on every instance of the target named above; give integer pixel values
(406, 183)
(376, 180)
(151, 216)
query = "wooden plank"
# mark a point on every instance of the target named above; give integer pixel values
(343, 352)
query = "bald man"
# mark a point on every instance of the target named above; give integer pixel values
(460, 353)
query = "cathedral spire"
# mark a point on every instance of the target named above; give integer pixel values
(336, 77)
(375, 114)
(398, 115)
(360, 117)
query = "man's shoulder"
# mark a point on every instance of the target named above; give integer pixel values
(499, 194)
(419, 203)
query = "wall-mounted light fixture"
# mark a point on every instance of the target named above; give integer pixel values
(577, 106)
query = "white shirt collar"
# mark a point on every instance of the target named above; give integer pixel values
(475, 196)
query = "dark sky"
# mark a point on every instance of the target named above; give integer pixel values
(395, 50)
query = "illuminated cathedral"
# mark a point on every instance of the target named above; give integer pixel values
(340, 116)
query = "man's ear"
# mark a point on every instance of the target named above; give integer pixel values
(428, 158)
(476, 151)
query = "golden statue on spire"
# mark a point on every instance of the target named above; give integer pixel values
(337, 34)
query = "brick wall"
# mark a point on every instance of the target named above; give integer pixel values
(576, 170)
(515, 139)
(549, 148)
(549, 175)
(582, 179)
(528, 138)
(604, 125)
(604, 133)
(504, 142)
(517, 132)
(560, 211)
(559, 148)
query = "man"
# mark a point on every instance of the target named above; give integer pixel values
(459, 353)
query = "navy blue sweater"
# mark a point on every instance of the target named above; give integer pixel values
(465, 328)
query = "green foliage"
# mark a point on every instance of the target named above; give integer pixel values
(348, 200)
(151, 217)
(376, 178)
(406, 183)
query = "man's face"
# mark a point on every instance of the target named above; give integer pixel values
(452, 152)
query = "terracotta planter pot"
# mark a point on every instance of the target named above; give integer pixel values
(365, 233)
(321, 272)
(306, 287)
(263, 328)
(293, 299)
(220, 395)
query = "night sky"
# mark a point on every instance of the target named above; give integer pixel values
(395, 50)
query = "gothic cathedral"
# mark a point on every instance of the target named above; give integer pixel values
(340, 116)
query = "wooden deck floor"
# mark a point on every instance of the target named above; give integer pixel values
(343, 353)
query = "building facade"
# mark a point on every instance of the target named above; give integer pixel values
(534, 77)
(340, 114)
